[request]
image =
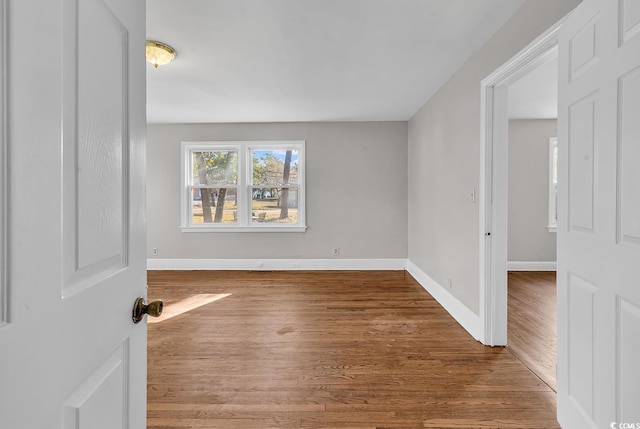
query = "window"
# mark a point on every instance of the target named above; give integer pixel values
(553, 184)
(243, 186)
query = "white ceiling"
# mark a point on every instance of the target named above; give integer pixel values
(535, 95)
(310, 60)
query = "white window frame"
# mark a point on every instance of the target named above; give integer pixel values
(244, 186)
(552, 224)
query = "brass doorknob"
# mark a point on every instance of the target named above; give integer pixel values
(140, 308)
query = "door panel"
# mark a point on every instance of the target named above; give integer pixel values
(582, 154)
(599, 196)
(71, 356)
(629, 20)
(95, 143)
(581, 343)
(628, 159)
(90, 405)
(101, 140)
(583, 49)
(628, 350)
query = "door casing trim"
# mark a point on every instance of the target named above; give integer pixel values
(493, 199)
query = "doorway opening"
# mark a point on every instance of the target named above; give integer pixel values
(532, 220)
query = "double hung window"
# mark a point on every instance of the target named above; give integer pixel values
(243, 186)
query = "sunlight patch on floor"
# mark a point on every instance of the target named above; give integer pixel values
(184, 305)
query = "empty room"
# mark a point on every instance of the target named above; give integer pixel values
(297, 214)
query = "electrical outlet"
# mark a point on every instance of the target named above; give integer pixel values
(450, 282)
(155, 251)
(260, 264)
(335, 251)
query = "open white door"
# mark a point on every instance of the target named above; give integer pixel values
(70, 355)
(599, 234)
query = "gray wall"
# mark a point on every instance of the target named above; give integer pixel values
(444, 160)
(529, 238)
(356, 183)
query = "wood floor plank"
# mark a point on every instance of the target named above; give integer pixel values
(359, 350)
(532, 322)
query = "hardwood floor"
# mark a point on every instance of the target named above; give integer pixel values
(359, 350)
(532, 321)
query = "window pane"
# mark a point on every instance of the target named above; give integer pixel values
(214, 205)
(274, 205)
(275, 167)
(215, 167)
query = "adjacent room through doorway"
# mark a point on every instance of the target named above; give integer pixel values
(532, 220)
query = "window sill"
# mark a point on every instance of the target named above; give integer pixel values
(552, 228)
(296, 228)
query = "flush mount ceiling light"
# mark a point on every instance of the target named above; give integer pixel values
(159, 54)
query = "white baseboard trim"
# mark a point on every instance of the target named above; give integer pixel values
(277, 264)
(531, 265)
(465, 317)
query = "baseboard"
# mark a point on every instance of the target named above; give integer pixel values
(531, 265)
(460, 312)
(277, 264)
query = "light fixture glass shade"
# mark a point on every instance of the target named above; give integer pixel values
(159, 54)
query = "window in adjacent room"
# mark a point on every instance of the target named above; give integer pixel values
(553, 184)
(243, 186)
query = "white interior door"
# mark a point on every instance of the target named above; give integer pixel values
(70, 355)
(599, 233)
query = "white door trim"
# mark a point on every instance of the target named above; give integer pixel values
(494, 178)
